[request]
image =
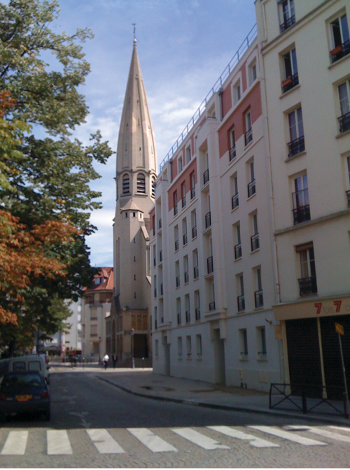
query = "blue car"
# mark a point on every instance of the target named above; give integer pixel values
(24, 392)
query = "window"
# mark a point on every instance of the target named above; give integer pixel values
(240, 289)
(154, 255)
(340, 43)
(187, 308)
(177, 273)
(251, 179)
(248, 128)
(155, 285)
(243, 342)
(141, 184)
(258, 294)
(344, 104)
(234, 190)
(261, 340)
(179, 346)
(307, 281)
(301, 206)
(126, 184)
(238, 244)
(197, 305)
(287, 14)
(184, 231)
(175, 202)
(296, 133)
(348, 191)
(188, 154)
(195, 264)
(199, 345)
(156, 348)
(178, 310)
(180, 165)
(232, 151)
(291, 76)
(183, 194)
(194, 224)
(188, 347)
(193, 184)
(93, 330)
(153, 186)
(236, 92)
(255, 242)
(212, 296)
(252, 72)
(186, 276)
(176, 237)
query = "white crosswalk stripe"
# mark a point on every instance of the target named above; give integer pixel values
(151, 441)
(16, 443)
(199, 439)
(329, 434)
(58, 443)
(104, 442)
(340, 428)
(236, 434)
(288, 436)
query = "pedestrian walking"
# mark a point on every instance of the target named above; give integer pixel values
(105, 360)
(114, 359)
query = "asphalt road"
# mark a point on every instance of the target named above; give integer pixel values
(139, 432)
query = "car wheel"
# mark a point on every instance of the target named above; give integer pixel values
(47, 416)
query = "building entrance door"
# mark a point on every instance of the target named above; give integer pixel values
(166, 356)
(219, 353)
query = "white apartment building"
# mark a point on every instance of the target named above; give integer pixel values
(305, 70)
(213, 282)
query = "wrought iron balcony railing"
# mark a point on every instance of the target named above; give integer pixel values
(177, 281)
(307, 286)
(211, 306)
(287, 24)
(344, 122)
(161, 319)
(255, 242)
(176, 245)
(161, 289)
(179, 318)
(161, 256)
(159, 224)
(251, 188)
(195, 272)
(235, 201)
(186, 277)
(184, 239)
(340, 51)
(238, 251)
(194, 232)
(156, 324)
(248, 137)
(232, 153)
(296, 146)
(241, 303)
(188, 316)
(175, 209)
(207, 219)
(154, 262)
(198, 314)
(155, 292)
(210, 265)
(206, 177)
(301, 214)
(259, 298)
(290, 82)
(193, 193)
(183, 201)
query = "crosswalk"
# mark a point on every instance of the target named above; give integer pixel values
(58, 442)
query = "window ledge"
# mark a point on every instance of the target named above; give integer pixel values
(258, 309)
(237, 207)
(199, 357)
(262, 359)
(338, 61)
(288, 159)
(252, 252)
(341, 134)
(246, 147)
(250, 197)
(237, 259)
(244, 359)
(289, 91)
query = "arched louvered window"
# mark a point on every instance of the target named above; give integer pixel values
(141, 183)
(126, 184)
(153, 186)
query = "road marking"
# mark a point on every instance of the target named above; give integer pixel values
(254, 441)
(340, 428)
(16, 443)
(104, 442)
(329, 434)
(150, 440)
(199, 439)
(288, 436)
(58, 443)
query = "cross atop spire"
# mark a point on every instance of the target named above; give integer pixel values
(134, 25)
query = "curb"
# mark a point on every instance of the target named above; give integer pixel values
(184, 401)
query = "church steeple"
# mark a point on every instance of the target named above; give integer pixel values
(136, 147)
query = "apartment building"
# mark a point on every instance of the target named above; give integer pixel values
(305, 70)
(213, 283)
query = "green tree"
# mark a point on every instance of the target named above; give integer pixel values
(43, 72)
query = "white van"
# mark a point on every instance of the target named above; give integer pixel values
(26, 363)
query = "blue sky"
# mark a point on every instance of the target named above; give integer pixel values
(183, 47)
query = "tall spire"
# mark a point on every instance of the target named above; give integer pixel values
(136, 146)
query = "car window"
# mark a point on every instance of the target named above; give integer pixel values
(17, 366)
(16, 381)
(34, 365)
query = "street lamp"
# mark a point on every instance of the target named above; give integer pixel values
(132, 348)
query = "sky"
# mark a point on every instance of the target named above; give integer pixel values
(183, 47)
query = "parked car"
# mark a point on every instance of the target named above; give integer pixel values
(24, 392)
(31, 362)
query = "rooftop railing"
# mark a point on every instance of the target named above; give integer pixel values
(216, 87)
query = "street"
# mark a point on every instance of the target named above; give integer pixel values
(95, 424)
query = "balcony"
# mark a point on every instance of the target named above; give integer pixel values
(287, 24)
(186, 277)
(251, 188)
(348, 196)
(205, 177)
(290, 82)
(184, 239)
(161, 256)
(208, 220)
(175, 209)
(188, 316)
(232, 153)
(210, 265)
(211, 306)
(238, 251)
(177, 281)
(235, 201)
(156, 324)
(248, 137)
(176, 245)
(301, 214)
(296, 146)
(195, 272)
(193, 193)
(155, 292)
(194, 232)
(198, 314)
(344, 122)
(159, 224)
(241, 303)
(184, 202)
(259, 298)
(179, 318)
(255, 242)
(161, 289)
(307, 286)
(340, 51)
